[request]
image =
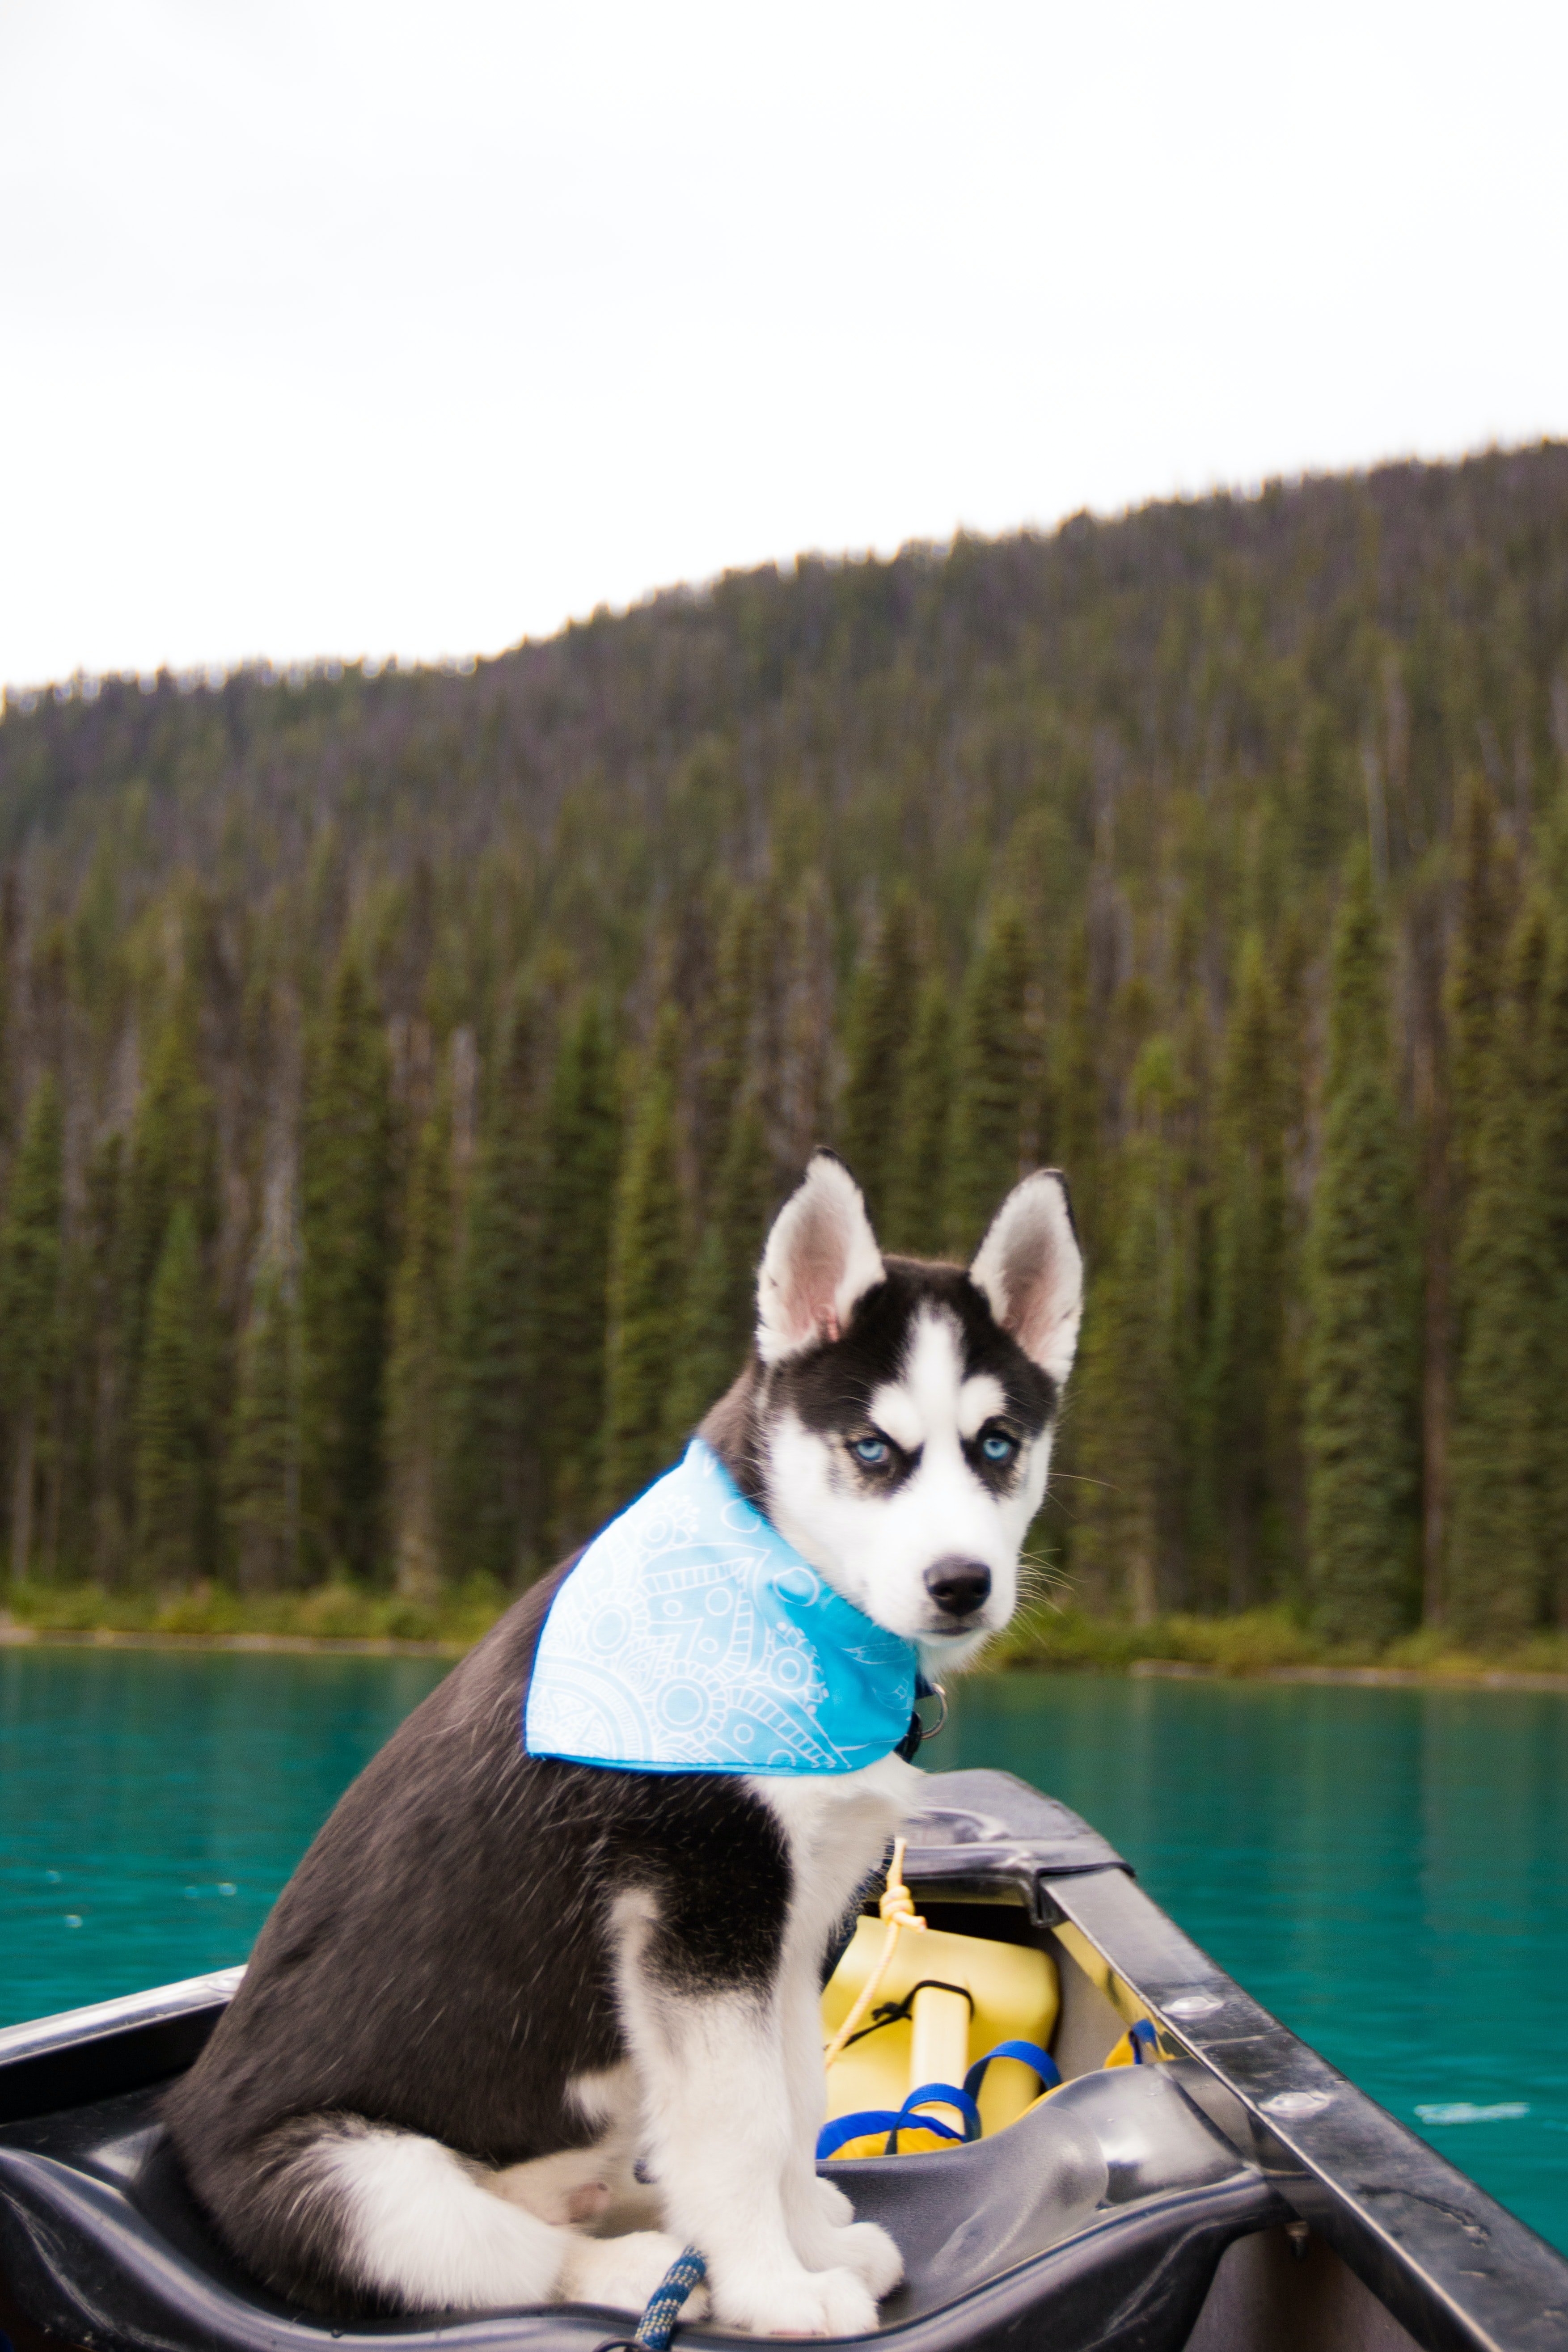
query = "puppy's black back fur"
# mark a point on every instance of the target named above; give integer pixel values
(441, 1961)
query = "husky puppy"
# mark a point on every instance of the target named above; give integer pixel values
(519, 2030)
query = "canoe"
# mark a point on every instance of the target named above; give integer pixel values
(1243, 2196)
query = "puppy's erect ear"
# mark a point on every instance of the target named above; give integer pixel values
(821, 1257)
(1031, 1269)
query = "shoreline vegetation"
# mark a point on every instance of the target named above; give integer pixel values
(1268, 1645)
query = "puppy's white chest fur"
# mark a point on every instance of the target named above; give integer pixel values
(837, 1826)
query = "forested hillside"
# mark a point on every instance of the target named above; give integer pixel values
(397, 1071)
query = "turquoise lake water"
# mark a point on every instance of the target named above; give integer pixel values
(1385, 1869)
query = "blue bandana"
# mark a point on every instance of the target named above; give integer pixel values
(691, 1638)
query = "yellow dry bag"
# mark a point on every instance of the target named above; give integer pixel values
(947, 2035)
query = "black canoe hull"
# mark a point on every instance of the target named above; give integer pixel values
(1258, 2198)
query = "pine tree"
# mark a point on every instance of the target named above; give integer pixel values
(583, 1153)
(173, 1160)
(418, 1372)
(1551, 1147)
(877, 1028)
(30, 1260)
(1364, 1343)
(1074, 1139)
(345, 1183)
(916, 1218)
(1125, 1540)
(799, 1093)
(100, 1440)
(493, 1499)
(724, 1064)
(1246, 1400)
(262, 1463)
(1484, 901)
(7, 926)
(173, 1425)
(647, 1291)
(720, 1308)
(1189, 1288)
(1075, 1144)
(994, 1075)
(1509, 1318)
(174, 1157)
(1487, 893)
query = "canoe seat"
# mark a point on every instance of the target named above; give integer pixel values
(1098, 2219)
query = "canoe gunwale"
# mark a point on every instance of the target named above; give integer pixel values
(51, 2062)
(1458, 2271)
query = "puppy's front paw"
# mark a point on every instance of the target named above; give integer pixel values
(624, 2272)
(830, 2237)
(837, 2210)
(867, 2251)
(797, 2303)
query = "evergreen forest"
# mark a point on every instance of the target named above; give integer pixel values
(398, 1066)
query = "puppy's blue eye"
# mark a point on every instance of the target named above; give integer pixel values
(872, 1451)
(997, 1448)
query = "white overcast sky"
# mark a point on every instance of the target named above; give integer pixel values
(416, 326)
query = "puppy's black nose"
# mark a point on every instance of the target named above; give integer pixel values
(958, 1585)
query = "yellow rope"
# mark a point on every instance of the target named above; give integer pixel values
(897, 1907)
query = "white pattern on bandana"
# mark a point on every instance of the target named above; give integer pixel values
(690, 1637)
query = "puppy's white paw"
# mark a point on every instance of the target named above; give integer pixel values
(837, 2210)
(867, 2251)
(798, 2303)
(624, 2272)
(829, 2237)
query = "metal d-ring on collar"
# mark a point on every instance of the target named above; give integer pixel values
(915, 1738)
(929, 1690)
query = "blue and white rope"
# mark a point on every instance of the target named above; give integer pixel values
(656, 2325)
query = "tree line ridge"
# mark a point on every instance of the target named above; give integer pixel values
(397, 1071)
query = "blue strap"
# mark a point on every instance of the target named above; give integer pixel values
(656, 2325)
(1029, 2054)
(940, 2095)
(860, 2125)
(1141, 2037)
